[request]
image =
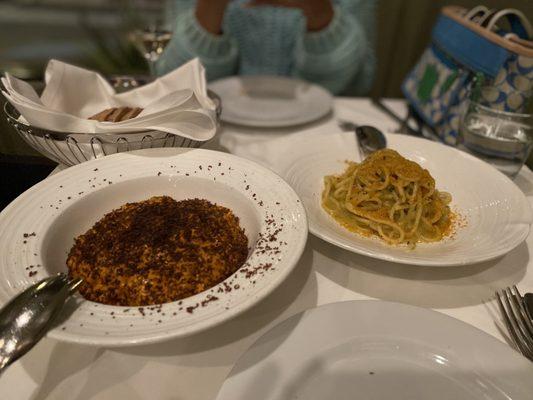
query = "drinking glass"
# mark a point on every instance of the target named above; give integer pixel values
(148, 29)
(151, 42)
(501, 138)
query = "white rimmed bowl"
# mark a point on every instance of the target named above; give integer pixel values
(38, 228)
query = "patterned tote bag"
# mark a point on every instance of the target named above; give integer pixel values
(471, 49)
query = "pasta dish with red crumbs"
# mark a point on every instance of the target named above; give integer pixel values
(157, 251)
(390, 197)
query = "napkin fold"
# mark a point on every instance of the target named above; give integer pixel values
(176, 103)
(277, 152)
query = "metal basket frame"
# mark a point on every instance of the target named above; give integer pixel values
(65, 148)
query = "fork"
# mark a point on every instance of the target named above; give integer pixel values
(517, 312)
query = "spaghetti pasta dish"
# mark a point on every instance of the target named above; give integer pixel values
(391, 197)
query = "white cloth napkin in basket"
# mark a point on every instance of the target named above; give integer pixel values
(176, 103)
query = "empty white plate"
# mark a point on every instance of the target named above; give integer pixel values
(270, 101)
(380, 351)
(496, 215)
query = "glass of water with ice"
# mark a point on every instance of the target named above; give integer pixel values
(503, 139)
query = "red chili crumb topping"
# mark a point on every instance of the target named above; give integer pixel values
(157, 251)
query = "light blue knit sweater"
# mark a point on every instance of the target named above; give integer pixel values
(274, 41)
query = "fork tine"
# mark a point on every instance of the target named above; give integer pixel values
(523, 340)
(516, 312)
(519, 304)
(508, 325)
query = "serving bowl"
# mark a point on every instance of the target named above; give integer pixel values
(38, 229)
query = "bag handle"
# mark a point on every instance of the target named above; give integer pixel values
(479, 14)
(484, 20)
(520, 25)
(473, 12)
(512, 43)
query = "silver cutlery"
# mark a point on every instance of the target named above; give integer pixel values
(370, 139)
(28, 316)
(517, 312)
(346, 126)
(403, 126)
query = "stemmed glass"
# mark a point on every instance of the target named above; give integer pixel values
(148, 31)
(151, 41)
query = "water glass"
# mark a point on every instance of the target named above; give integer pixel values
(501, 138)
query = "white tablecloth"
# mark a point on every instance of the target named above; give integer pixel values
(193, 368)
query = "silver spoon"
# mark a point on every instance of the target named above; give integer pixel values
(370, 139)
(28, 316)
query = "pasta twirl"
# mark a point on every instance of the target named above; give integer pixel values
(390, 197)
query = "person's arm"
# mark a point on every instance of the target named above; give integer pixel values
(318, 13)
(198, 34)
(334, 56)
(335, 50)
(210, 14)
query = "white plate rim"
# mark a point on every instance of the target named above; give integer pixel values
(110, 341)
(315, 228)
(327, 98)
(360, 304)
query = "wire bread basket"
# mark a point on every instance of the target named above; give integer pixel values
(74, 148)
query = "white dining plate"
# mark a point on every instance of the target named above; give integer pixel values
(495, 215)
(38, 229)
(380, 351)
(270, 101)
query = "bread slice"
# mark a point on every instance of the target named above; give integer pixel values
(117, 114)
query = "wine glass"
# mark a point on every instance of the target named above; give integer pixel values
(149, 27)
(151, 42)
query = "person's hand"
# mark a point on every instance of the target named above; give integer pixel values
(210, 14)
(318, 13)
